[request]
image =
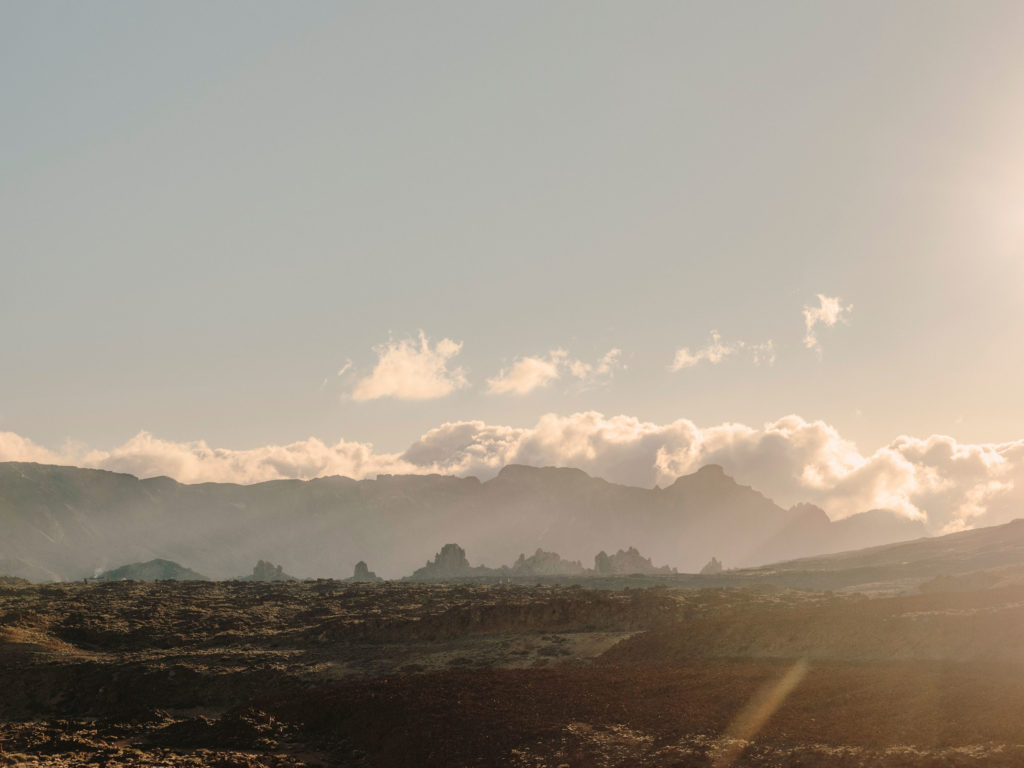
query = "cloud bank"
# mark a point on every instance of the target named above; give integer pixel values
(952, 485)
(411, 370)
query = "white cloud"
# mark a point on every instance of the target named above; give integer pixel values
(529, 373)
(14, 447)
(716, 351)
(954, 485)
(602, 370)
(609, 362)
(411, 370)
(790, 460)
(830, 310)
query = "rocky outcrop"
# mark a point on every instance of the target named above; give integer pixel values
(542, 563)
(627, 561)
(363, 574)
(450, 563)
(267, 571)
(714, 566)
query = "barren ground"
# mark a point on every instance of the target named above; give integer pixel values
(332, 674)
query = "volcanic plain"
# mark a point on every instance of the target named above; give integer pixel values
(325, 673)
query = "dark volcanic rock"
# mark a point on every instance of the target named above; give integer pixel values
(247, 728)
(314, 674)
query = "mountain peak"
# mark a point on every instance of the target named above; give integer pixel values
(710, 475)
(709, 470)
(527, 472)
(809, 512)
(62, 522)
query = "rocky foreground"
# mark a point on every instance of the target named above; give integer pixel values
(384, 674)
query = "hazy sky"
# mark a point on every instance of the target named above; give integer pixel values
(720, 212)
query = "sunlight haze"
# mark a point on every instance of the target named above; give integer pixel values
(251, 240)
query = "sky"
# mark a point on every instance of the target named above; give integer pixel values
(248, 240)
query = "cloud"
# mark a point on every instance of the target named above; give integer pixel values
(717, 350)
(411, 370)
(14, 447)
(714, 353)
(529, 373)
(830, 310)
(604, 368)
(952, 485)
(197, 462)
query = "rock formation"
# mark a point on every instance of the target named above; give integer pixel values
(542, 563)
(714, 565)
(625, 562)
(267, 571)
(450, 563)
(363, 573)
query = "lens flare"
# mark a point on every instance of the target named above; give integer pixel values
(755, 714)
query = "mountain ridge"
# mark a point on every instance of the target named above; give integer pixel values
(76, 522)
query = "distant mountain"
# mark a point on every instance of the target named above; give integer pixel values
(70, 523)
(154, 570)
(811, 531)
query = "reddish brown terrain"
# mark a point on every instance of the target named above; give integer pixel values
(332, 674)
